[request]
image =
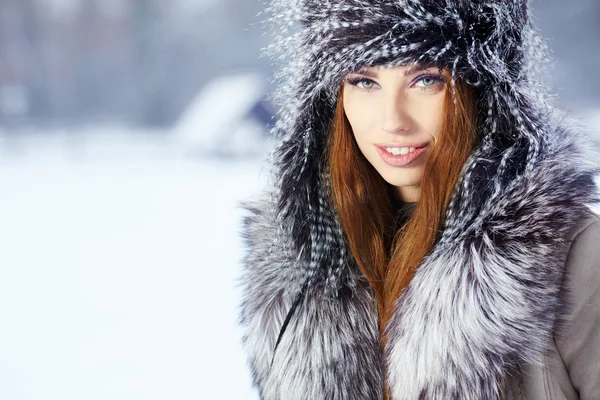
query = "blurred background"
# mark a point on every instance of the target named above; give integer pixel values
(129, 132)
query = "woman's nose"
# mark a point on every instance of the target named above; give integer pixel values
(394, 117)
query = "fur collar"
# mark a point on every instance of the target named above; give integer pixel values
(488, 293)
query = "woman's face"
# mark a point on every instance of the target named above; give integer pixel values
(396, 117)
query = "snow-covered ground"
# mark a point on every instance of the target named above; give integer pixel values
(118, 271)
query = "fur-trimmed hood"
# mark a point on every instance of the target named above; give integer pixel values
(488, 293)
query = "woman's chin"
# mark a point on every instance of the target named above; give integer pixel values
(403, 182)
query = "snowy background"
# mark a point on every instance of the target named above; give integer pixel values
(118, 273)
(130, 130)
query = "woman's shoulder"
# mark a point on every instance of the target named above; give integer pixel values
(577, 339)
(582, 268)
(587, 226)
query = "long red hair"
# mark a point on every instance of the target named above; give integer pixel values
(388, 255)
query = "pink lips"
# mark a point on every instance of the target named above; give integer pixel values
(400, 160)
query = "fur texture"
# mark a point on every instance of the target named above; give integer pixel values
(488, 293)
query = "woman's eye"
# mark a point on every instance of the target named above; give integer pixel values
(365, 84)
(362, 83)
(429, 82)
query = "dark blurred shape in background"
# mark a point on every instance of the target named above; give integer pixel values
(136, 62)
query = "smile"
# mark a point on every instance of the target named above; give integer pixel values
(400, 156)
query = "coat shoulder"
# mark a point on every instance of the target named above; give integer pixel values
(590, 220)
(582, 264)
(578, 339)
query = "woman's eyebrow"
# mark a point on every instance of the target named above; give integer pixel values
(367, 72)
(414, 70)
(407, 72)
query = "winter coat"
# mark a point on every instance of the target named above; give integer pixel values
(507, 303)
(571, 361)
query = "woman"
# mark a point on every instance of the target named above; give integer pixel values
(427, 235)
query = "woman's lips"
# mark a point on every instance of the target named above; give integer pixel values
(400, 160)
